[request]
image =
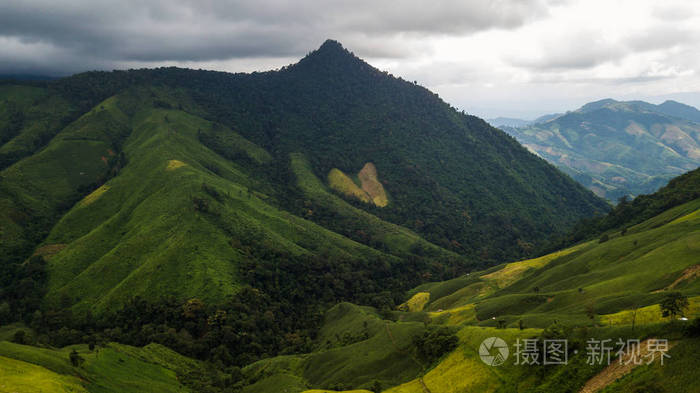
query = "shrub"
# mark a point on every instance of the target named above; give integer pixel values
(434, 343)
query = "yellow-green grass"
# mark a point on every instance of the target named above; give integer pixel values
(466, 290)
(18, 376)
(464, 296)
(277, 383)
(416, 303)
(336, 391)
(343, 184)
(463, 370)
(649, 314)
(93, 196)
(370, 183)
(610, 278)
(369, 189)
(513, 271)
(454, 316)
(115, 368)
(174, 164)
(612, 274)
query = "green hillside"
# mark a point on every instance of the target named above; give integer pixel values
(112, 368)
(619, 148)
(605, 290)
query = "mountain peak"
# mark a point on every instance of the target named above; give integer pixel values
(591, 106)
(331, 45)
(331, 56)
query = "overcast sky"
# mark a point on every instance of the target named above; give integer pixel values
(518, 58)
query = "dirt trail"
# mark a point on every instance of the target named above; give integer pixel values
(616, 370)
(688, 274)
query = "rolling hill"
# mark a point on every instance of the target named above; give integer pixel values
(603, 289)
(619, 148)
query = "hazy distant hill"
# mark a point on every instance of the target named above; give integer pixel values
(619, 148)
(500, 122)
(508, 122)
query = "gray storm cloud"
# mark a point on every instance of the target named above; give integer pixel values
(100, 33)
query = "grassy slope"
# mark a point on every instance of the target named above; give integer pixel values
(35, 190)
(616, 276)
(678, 374)
(142, 235)
(623, 273)
(115, 368)
(39, 117)
(370, 356)
(354, 349)
(18, 376)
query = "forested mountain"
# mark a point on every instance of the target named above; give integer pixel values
(173, 199)
(619, 148)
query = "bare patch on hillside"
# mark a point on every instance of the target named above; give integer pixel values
(635, 129)
(618, 369)
(370, 189)
(372, 186)
(340, 182)
(49, 249)
(688, 274)
(174, 164)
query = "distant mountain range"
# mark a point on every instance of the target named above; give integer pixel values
(616, 148)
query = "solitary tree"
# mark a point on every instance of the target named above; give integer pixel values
(673, 304)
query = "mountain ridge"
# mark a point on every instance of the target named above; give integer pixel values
(619, 148)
